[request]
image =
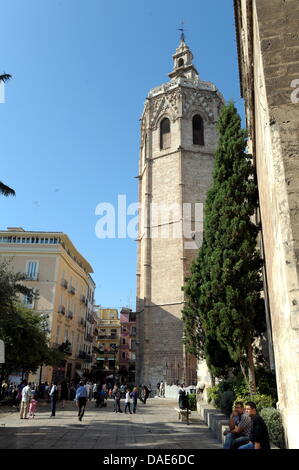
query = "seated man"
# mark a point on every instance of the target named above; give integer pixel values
(240, 427)
(259, 436)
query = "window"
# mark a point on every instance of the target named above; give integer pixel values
(198, 130)
(31, 271)
(164, 134)
(123, 355)
(181, 62)
(124, 341)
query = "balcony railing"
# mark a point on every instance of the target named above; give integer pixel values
(72, 290)
(70, 314)
(89, 338)
(61, 309)
(81, 355)
(88, 358)
(30, 277)
(64, 283)
(107, 337)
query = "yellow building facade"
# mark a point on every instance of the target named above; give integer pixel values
(61, 275)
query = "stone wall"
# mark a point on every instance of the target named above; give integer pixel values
(268, 39)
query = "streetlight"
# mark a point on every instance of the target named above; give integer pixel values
(114, 347)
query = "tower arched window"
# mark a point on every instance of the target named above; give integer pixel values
(181, 62)
(164, 134)
(198, 130)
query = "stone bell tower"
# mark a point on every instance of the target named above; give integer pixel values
(178, 141)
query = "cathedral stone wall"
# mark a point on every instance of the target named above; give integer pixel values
(268, 39)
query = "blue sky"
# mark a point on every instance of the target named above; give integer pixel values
(69, 129)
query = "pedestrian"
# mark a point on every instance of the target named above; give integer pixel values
(54, 396)
(128, 402)
(81, 397)
(64, 394)
(26, 395)
(88, 388)
(94, 391)
(182, 397)
(117, 397)
(33, 404)
(145, 394)
(134, 396)
(4, 389)
(158, 389)
(162, 389)
(19, 394)
(47, 391)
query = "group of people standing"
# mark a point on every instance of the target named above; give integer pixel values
(28, 394)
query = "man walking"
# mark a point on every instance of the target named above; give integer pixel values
(25, 400)
(259, 436)
(54, 397)
(81, 396)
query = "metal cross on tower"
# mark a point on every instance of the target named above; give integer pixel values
(182, 31)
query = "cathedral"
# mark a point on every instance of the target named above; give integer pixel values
(177, 145)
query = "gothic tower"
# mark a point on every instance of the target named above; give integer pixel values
(178, 140)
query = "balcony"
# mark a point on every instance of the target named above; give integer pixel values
(30, 277)
(82, 322)
(107, 337)
(72, 290)
(88, 358)
(89, 338)
(83, 299)
(70, 314)
(61, 309)
(64, 283)
(82, 355)
(68, 351)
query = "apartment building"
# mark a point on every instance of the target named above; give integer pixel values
(127, 351)
(62, 277)
(108, 344)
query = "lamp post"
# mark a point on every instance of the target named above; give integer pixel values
(114, 347)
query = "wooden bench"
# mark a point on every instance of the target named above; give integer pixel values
(183, 415)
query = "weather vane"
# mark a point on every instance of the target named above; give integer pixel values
(182, 31)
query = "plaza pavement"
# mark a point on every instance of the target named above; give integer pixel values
(154, 426)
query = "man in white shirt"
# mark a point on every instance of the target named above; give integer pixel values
(26, 395)
(88, 388)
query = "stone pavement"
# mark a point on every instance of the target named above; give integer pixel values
(154, 426)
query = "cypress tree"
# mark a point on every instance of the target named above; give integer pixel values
(225, 282)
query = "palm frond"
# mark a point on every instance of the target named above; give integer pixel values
(6, 191)
(5, 77)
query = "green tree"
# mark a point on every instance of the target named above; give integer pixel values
(22, 329)
(225, 281)
(5, 190)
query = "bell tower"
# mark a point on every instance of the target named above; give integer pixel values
(177, 144)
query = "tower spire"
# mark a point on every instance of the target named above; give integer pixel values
(182, 31)
(182, 60)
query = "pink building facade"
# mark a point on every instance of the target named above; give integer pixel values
(127, 349)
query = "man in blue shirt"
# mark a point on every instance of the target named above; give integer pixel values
(81, 396)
